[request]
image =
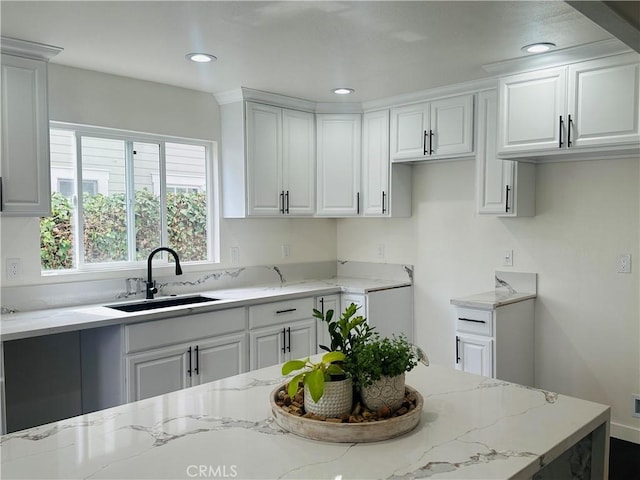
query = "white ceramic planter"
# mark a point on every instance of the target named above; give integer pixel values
(386, 392)
(336, 400)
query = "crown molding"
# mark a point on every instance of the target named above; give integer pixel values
(22, 48)
(432, 93)
(559, 57)
(249, 94)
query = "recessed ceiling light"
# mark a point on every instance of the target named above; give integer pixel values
(343, 91)
(538, 47)
(200, 57)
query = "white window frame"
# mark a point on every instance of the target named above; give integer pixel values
(213, 196)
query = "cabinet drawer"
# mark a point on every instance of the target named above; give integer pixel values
(143, 336)
(479, 322)
(280, 312)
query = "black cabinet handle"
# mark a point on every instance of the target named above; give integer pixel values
(560, 133)
(384, 207)
(197, 354)
(189, 354)
(282, 202)
(358, 203)
(288, 310)
(424, 143)
(569, 131)
(457, 349)
(284, 340)
(430, 142)
(1, 199)
(289, 339)
(471, 320)
(286, 196)
(322, 306)
(506, 203)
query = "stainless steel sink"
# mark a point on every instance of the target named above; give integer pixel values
(161, 303)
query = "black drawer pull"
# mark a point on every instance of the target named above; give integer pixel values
(288, 310)
(189, 354)
(197, 352)
(284, 340)
(457, 349)
(471, 320)
(289, 338)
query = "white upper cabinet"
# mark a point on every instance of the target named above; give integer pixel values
(604, 100)
(504, 187)
(338, 155)
(25, 188)
(280, 161)
(585, 107)
(434, 130)
(386, 188)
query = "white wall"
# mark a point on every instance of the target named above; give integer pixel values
(92, 98)
(587, 315)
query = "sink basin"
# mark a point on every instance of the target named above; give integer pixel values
(161, 303)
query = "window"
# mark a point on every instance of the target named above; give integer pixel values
(139, 192)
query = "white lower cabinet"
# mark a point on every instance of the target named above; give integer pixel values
(174, 353)
(474, 355)
(281, 331)
(497, 343)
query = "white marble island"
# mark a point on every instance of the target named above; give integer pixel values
(471, 427)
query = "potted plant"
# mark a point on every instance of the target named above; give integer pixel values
(328, 390)
(381, 364)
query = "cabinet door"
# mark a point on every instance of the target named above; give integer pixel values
(264, 159)
(452, 126)
(267, 346)
(530, 107)
(324, 304)
(25, 175)
(157, 372)
(604, 102)
(301, 339)
(475, 355)
(375, 163)
(338, 156)
(219, 357)
(409, 132)
(298, 162)
(359, 299)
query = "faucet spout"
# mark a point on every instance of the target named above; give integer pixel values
(151, 284)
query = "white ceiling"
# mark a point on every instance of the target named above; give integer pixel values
(302, 49)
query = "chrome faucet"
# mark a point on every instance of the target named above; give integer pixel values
(151, 284)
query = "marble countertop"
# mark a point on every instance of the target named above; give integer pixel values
(491, 300)
(57, 320)
(471, 427)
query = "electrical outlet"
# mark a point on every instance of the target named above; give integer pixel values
(380, 250)
(286, 251)
(507, 258)
(624, 263)
(235, 255)
(14, 267)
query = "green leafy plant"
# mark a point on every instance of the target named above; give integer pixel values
(315, 374)
(346, 331)
(105, 237)
(380, 356)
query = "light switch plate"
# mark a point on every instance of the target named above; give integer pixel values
(507, 258)
(624, 263)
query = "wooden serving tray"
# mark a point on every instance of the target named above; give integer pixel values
(347, 432)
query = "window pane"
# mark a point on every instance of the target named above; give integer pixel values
(146, 168)
(56, 231)
(187, 200)
(104, 212)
